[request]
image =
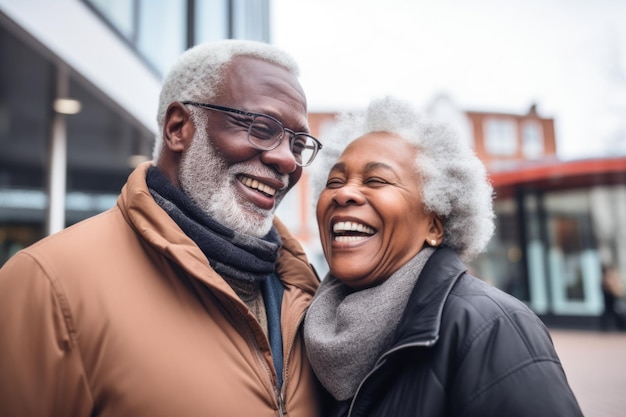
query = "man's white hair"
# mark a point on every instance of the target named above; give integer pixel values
(453, 180)
(198, 73)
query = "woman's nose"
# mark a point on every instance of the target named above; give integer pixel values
(349, 194)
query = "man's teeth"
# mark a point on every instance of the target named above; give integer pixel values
(352, 227)
(252, 183)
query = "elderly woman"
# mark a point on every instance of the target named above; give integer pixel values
(399, 327)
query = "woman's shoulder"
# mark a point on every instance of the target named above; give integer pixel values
(479, 307)
(476, 294)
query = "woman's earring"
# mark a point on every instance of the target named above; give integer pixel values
(433, 242)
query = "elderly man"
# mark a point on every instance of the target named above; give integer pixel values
(187, 298)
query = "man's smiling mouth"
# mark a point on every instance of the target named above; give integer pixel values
(258, 186)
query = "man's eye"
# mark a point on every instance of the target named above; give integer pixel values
(298, 145)
(241, 121)
(263, 131)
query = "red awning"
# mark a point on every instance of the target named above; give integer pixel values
(582, 171)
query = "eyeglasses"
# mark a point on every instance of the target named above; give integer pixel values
(266, 133)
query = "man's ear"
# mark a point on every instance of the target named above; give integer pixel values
(178, 128)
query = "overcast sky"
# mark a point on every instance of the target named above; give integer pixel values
(568, 56)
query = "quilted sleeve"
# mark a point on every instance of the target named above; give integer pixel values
(41, 372)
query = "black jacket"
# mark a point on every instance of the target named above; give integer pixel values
(464, 348)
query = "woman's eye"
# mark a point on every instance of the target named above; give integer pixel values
(376, 181)
(334, 183)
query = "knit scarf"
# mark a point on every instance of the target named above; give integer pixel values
(346, 331)
(231, 254)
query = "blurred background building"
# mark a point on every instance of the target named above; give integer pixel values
(79, 85)
(558, 222)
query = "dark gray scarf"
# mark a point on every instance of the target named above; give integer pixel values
(346, 331)
(231, 254)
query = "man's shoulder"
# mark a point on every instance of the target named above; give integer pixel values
(84, 238)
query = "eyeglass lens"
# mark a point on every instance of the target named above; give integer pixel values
(265, 133)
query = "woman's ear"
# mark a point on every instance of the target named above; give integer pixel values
(435, 231)
(178, 128)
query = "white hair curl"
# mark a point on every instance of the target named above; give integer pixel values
(198, 73)
(454, 181)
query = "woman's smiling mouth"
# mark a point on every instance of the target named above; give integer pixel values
(350, 231)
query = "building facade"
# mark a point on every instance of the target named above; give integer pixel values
(558, 223)
(79, 86)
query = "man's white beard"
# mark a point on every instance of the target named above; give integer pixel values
(211, 184)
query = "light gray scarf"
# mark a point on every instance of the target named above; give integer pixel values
(345, 331)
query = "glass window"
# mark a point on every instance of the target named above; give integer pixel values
(211, 20)
(500, 136)
(161, 35)
(251, 19)
(609, 224)
(501, 265)
(161, 29)
(532, 204)
(26, 81)
(15, 236)
(573, 259)
(120, 13)
(532, 140)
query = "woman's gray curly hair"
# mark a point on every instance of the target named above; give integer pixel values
(198, 73)
(454, 181)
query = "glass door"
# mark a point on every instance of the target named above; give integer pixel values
(574, 267)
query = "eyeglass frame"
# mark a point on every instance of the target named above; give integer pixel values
(224, 109)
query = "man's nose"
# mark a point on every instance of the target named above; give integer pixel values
(281, 157)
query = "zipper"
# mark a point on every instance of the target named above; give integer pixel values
(286, 358)
(249, 335)
(278, 393)
(281, 402)
(380, 362)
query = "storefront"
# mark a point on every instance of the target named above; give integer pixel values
(557, 224)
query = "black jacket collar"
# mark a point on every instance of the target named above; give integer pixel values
(421, 320)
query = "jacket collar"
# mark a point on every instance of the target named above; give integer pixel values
(421, 319)
(163, 234)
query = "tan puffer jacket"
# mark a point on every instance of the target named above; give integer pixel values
(121, 315)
